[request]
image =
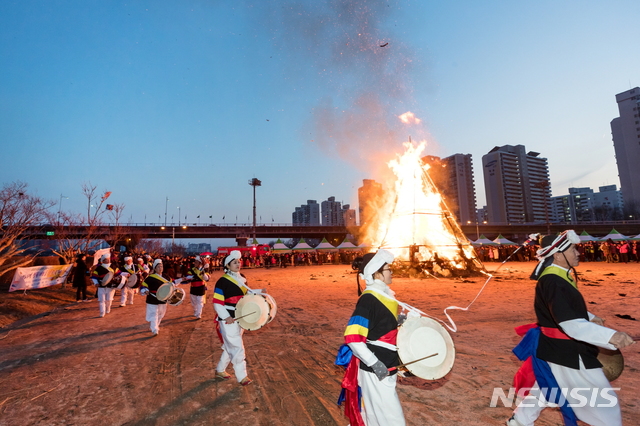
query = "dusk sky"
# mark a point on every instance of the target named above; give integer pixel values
(191, 99)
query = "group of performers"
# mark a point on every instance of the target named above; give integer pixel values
(559, 350)
(229, 289)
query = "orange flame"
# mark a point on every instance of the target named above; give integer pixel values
(412, 217)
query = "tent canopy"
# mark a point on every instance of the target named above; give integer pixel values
(585, 237)
(614, 236)
(303, 246)
(347, 245)
(502, 240)
(483, 241)
(279, 247)
(325, 246)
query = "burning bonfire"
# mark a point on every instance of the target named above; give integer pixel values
(412, 220)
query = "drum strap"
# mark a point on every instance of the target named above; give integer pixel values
(383, 344)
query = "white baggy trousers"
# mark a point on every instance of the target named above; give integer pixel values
(105, 297)
(232, 349)
(155, 313)
(198, 303)
(380, 402)
(597, 410)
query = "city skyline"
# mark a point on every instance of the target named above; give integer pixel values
(189, 102)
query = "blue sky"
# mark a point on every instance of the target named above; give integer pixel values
(190, 100)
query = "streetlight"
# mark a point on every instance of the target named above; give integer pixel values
(166, 203)
(477, 229)
(178, 215)
(60, 205)
(254, 182)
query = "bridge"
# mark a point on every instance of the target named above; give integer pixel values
(242, 232)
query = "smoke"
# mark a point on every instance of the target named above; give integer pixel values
(353, 53)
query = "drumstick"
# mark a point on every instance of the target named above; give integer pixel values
(411, 362)
(245, 315)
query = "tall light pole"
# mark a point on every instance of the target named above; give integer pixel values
(178, 215)
(60, 205)
(254, 182)
(166, 203)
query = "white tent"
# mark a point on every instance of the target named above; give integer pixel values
(636, 238)
(585, 237)
(502, 240)
(325, 246)
(614, 236)
(302, 246)
(347, 245)
(483, 241)
(279, 247)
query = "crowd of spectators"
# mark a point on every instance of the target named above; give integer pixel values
(593, 251)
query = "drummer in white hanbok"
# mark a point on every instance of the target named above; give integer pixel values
(156, 309)
(126, 292)
(229, 289)
(198, 290)
(371, 334)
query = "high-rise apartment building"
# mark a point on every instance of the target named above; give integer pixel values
(626, 142)
(577, 206)
(333, 213)
(516, 185)
(453, 176)
(307, 214)
(608, 204)
(368, 194)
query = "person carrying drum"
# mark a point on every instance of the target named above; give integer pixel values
(560, 350)
(104, 277)
(198, 289)
(371, 335)
(156, 309)
(228, 291)
(126, 292)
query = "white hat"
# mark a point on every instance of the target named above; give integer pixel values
(197, 259)
(235, 254)
(105, 257)
(380, 258)
(156, 263)
(139, 259)
(128, 258)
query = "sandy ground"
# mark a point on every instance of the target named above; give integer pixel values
(71, 367)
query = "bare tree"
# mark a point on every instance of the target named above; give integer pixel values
(67, 226)
(18, 212)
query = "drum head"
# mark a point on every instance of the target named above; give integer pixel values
(177, 297)
(254, 310)
(612, 363)
(164, 292)
(420, 337)
(272, 304)
(132, 280)
(107, 278)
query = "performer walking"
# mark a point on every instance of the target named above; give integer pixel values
(198, 289)
(104, 277)
(371, 335)
(156, 309)
(560, 350)
(126, 292)
(228, 291)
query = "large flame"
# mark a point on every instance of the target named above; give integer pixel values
(412, 220)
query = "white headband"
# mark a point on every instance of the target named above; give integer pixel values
(235, 254)
(560, 244)
(380, 258)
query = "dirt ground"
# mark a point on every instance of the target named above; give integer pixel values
(70, 367)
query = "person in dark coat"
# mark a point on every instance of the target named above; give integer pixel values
(80, 278)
